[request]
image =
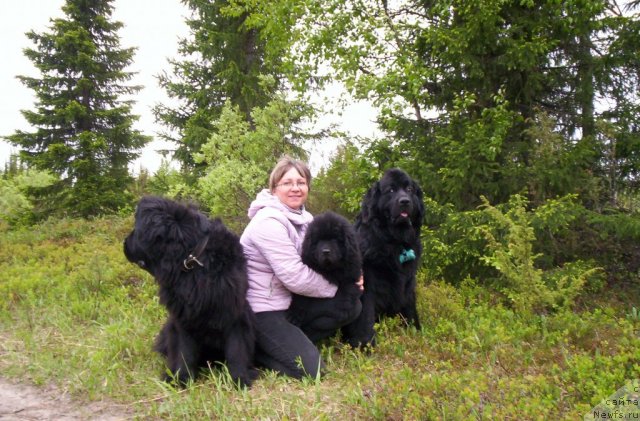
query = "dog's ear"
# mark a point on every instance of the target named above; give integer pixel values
(368, 209)
(180, 218)
(307, 248)
(351, 245)
(420, 214)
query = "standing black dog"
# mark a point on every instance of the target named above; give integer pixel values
(388, 228)
(201, 272)
(330, 247)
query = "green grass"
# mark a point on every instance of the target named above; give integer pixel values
(74, 312)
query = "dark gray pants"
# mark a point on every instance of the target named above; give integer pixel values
(283, 347)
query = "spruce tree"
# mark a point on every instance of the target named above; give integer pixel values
(83, 124)
(474, 93)
(224, 60)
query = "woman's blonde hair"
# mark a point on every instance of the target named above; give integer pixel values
(285, 164)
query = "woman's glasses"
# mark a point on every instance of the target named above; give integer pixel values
(289, 184)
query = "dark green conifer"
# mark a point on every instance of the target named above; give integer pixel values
(82, 118)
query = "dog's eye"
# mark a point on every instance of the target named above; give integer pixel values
(391, 190)
(409, 189)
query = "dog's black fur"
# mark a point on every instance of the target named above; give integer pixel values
(209, 318)
(388, 226)
(330, 247)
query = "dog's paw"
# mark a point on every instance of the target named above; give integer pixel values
(246, 379)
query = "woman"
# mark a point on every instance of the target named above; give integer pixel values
(272, 244)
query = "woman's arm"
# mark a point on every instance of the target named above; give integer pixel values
(272, 240)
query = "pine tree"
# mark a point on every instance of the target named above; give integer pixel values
(83, 125)
(223, 60)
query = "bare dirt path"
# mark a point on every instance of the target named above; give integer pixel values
(26, 402)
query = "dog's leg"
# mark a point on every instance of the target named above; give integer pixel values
(408, 311)
(410, 314)
(182, 354)
(360, 333)
(331, 314)
(239, 354)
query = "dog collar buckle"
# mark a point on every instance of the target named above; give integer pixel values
(407, 255)
(189, 261)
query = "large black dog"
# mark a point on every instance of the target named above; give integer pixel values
(388, 228)
(330, 247)
(201, 272)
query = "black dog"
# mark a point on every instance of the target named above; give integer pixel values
(388, 228)
(201, 272)
(330, 247)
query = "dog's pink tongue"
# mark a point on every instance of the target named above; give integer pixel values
(404, 214)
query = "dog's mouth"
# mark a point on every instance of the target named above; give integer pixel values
(327, 262)
(402, 217)
(132, 254)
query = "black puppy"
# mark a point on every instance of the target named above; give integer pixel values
(330, 248)
(388, 228)
(201, 273)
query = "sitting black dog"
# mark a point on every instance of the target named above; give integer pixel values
(201, 273)
(330, 248)
(388, 228)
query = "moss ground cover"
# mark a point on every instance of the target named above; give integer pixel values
(74, 312)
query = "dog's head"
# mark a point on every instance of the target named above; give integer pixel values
(163, 233)
(395, 200)
(330, 244)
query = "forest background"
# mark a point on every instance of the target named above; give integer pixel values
(518, 118)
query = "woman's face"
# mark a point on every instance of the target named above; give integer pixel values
(292, 189)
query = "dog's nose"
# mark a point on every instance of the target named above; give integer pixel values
(326, 251)
(404, 201)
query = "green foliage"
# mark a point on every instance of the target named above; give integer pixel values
(527, 255)
(239, 156)
(342, 186)
(454, 244)
(16, 199)
(619, 224)
(473, 151)
(479, 99)
(558, 167)
(228, 188)
(613, 239)
(76, 308)
(464, 89)
(510, 251)
(84, 318)
(225, 59)
(83, 128)
(513, 258)
(167, 181)
(566, 231)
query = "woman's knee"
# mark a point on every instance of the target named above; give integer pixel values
(310, 365)
(285, 348)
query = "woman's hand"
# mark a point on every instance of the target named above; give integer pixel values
(360, 283)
